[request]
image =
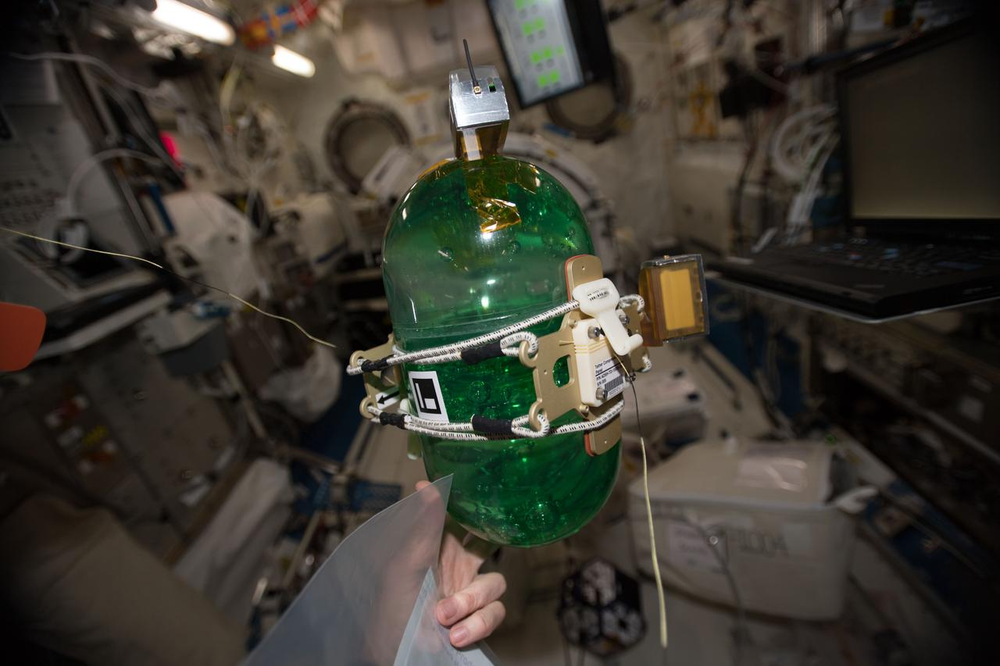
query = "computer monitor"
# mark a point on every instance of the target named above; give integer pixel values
(552, 47)
(920, 133)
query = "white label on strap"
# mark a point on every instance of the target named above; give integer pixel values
(609, 377)
(426, 396)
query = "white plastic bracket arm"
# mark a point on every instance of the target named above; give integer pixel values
(599, 299)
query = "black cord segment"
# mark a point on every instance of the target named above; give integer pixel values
(482, 353)
(468, 59)
(635, 396)
(375, 366)
(398, 420)
(504, 427)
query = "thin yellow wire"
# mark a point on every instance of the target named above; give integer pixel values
(163, 268)
(649, 518)
(652, 543)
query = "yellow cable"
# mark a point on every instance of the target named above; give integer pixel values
(652, 544)
(163, 268)
(649, 515)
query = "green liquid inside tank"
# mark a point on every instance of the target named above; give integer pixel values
(474, 246)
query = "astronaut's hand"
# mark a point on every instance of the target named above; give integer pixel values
(471, 605)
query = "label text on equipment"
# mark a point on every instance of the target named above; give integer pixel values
(609, 378)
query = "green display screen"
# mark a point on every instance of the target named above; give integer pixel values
(539, 45)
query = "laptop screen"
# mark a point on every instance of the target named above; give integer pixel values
(922, 135)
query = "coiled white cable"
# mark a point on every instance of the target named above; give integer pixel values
(93, 62)
(799, 139)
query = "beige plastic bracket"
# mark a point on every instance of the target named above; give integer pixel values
(553, 401)
(602, 439)
(378, 385)
(633, 324)
(581, 269)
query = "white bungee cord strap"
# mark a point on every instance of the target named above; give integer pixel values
(509, 346)
(509, 338)
(503, 342)
(469, 431)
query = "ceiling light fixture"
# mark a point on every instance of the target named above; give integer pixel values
(197, 22)
(290, 61)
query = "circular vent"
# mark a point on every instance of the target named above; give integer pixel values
(357, 137)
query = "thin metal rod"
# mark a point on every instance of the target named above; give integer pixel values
(300, 551)
(468, 59)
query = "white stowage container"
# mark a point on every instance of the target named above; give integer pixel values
(770, 511)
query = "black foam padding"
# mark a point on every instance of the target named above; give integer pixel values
(398, 420)
(481, 353)
(375, 366)
(493, 426)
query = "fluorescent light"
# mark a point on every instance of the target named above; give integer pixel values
(290, 61)
(193, 21)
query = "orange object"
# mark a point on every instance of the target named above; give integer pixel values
(675, 295)
(21, 330)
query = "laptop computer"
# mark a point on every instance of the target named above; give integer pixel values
(920, 140)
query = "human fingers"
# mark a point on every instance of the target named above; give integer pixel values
(482, 591)
(478, 626)
(430, 500)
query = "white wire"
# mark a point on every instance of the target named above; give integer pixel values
(633, 298)
(88, 60)
(237, 155)
(85, 167)
(796, 142)
(164, 268)
(660, 597)
(799, 211)
(118, 78)
(742, 628)
(585, 426)
(511, 345)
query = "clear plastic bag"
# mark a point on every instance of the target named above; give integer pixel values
(373, 601)
(309, 390)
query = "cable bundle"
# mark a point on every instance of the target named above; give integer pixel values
(800, 149)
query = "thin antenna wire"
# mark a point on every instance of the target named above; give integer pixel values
(167, 270)
(468, 60)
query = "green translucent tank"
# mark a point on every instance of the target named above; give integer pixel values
(474, 246)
